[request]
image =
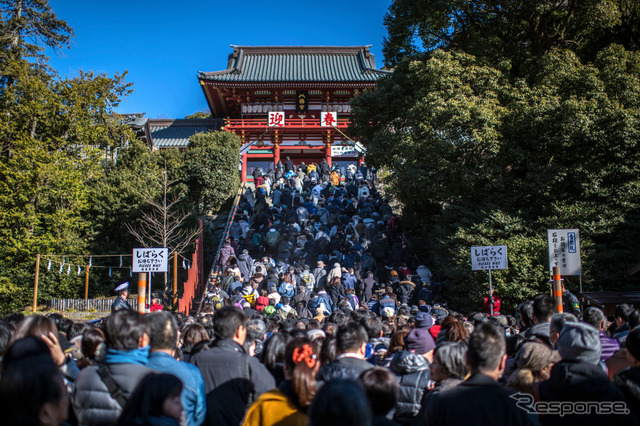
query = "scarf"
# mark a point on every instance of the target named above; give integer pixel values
(138, 356)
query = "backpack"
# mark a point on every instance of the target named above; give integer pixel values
(226, 281)
(353, 301)
(250, 298)
(271, 238)
(368, 262)
(284, 254)
(256, 239)
(307, 281)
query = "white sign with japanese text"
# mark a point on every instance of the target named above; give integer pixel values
(150, 259)
(489, 258)
(343, 151)
(564, 250)
(328, 119)
(276, 119)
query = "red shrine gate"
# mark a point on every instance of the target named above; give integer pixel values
(291, 102)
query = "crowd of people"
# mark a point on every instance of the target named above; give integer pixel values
(322, 315)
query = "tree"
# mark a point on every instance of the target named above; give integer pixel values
(498, 160)
(165, 225)
(27, 26)
(51, 137)
(512, 30)
(200, 115)
(211, 168)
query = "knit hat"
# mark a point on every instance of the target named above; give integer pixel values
(579, 342)
(419, 341)
(535, 356)
(424, 320)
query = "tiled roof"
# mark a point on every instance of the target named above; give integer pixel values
(298, 63)
(176, 133)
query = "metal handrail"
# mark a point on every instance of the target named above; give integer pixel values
(215, 269)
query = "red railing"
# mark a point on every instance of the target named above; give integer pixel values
(194, 286)
(289, 123)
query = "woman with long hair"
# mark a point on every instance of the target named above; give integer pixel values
(288, 404)
(273, 353)
(91, 346)
(191, 335)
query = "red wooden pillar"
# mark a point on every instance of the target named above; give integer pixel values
(243, 174)
(327, 151)
(276, 154)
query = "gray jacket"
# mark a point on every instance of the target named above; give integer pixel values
(91, 399)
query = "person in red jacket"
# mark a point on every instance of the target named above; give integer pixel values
(494, 299)
(155, 305)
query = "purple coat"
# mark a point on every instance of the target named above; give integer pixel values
(609, 346)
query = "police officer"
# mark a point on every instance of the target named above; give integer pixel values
(570, 302)
(121, 301)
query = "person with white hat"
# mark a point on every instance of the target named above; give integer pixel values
(121, 301)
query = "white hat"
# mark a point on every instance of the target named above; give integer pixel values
(122, 287)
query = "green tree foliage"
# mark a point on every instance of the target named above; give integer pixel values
(211, 168)
(496, 159)
(516, 30)
(72, 175)
(200, 115)
(51, 139)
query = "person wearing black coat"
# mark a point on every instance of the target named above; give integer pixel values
(232, 378)
(414, 376)
(480, 399)
(288, 165)
(351, 342)
(579, 378)
(336, 292)
(628, 381)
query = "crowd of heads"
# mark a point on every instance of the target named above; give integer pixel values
(363, 335)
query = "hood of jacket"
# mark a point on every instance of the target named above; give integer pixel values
(405, 362)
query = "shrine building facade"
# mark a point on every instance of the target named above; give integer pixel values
(290, 101)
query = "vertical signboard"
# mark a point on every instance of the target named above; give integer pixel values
(564, 250)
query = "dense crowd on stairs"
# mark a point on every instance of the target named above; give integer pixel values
(323, 315)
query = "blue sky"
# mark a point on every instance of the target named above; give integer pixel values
(163, 44)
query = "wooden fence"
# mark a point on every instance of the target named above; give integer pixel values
(81, 305)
